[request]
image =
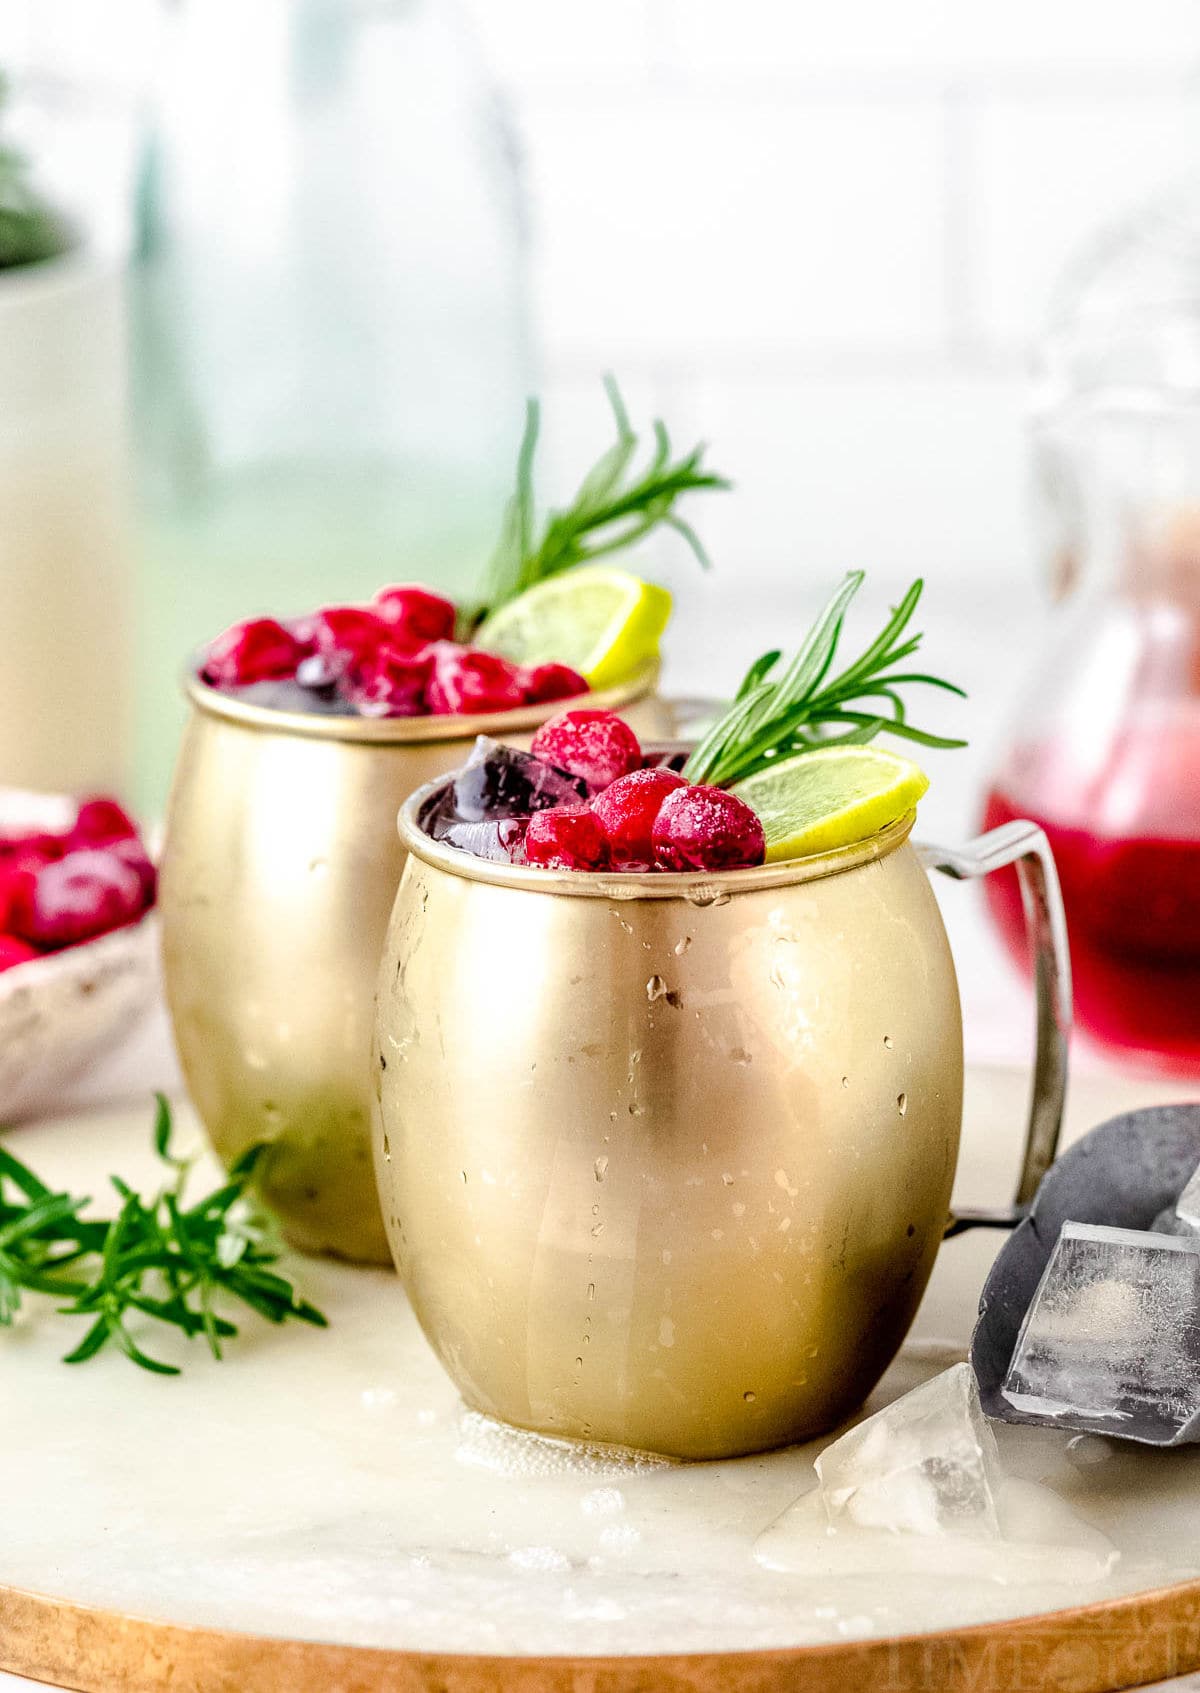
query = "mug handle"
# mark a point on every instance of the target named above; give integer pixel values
(1026, 846)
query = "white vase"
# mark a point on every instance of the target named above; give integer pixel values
(65, 614)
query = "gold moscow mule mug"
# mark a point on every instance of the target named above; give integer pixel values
(665, 1160)
(279, 873)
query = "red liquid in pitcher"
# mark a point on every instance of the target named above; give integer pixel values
(1126, 839)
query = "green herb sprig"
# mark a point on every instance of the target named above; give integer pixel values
(30, 229)
(613, 508)
(803, 708)
(158, 1258)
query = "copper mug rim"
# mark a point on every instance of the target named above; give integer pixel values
(408, 731)
(701, 887)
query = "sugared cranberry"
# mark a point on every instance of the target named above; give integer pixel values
(568, 838)
(553, 682)
(387, 683)
(353, 629)
(626, 811)
(465, 680)
(703, 828)
(100, 821)
(13, 952)
(134, 854)
(82, 895)
(260, 650)
(422, 616)
(597, 745)
(39, 845)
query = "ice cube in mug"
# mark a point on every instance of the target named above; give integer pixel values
(1113, 1333)
(499, 781)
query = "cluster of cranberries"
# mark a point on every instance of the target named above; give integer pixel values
(622, 811)
(60, 888)
(393, 658)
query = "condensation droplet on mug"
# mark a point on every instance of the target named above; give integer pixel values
(681, 945)
(739, 1055)
(902, 1103)
(600, 1167)
(749, 1396)
(887, 1041)
(597, 1230)
(727, 1179)
(595, 1210)
(591, 1293)
(318, 866)
(387, 1150)
(579, 1363)
(656, 988)
(463, 1177)
(636, 1110)
(845, 1081)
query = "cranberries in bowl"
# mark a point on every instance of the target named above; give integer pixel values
(77, 955)
(396, 657)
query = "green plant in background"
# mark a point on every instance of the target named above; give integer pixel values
(612, 509)
(30, 228)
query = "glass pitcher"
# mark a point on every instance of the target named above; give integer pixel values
(1105, 751)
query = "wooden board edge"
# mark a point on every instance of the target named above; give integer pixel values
(1119, 1643)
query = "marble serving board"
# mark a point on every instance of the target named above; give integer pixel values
(330, 1486)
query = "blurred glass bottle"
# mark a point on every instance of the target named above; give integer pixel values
(330, 339)
(1105, 753)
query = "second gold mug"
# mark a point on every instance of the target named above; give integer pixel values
(665, 1160)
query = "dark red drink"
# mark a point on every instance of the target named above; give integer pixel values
(1126, 839)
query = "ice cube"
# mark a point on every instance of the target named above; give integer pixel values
(1187, 1206)
(501, 839)
(1112, 1334)
(500, 781)
(926, 1464)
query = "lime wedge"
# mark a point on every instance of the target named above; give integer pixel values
(604, 623)
(830, 798)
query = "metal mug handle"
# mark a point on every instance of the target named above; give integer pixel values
(1026, 846)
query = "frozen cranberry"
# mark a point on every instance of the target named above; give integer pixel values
(387, 683)
(422, 616)
(100, 821)
(39, 845)
(552, 682)
(82, 895)
(13, 951)
(626, 810)
(567, 838)
(597, 745)
(703, 828)
(466, 680)
(134, 854)
(260, 650)
(354, 629)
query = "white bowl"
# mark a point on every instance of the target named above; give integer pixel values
(62, 1012)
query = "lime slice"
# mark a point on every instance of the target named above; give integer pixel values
(830, 798)
(604, 623)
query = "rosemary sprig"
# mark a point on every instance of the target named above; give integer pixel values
(158, 1258)
(802, 708)
(612, 509)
